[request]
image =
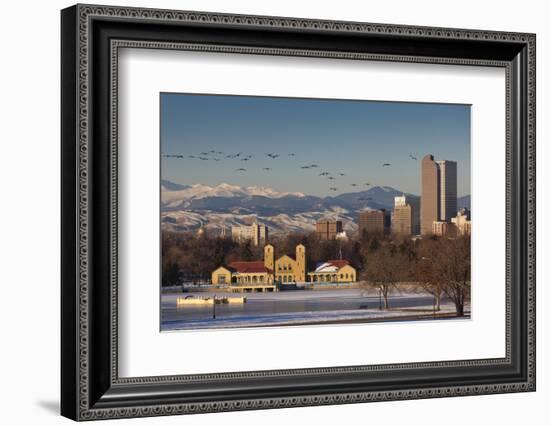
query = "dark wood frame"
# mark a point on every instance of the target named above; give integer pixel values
(90, 386)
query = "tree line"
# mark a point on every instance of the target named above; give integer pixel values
(438, 265)
(188, 257)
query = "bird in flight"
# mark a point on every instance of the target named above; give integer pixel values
(313, 165)
(245, 159)
(192, 156)
(203, 158)
(267, 168)
(331, 178)
(386, 164)
(173, 156)
(241, 170)
(272, 155)
(204, 153)
(333, 189)
(353, 184)
(367, 184)
(291, 154)
(217, 159)
(342, 174)
(304, 167)
(412, 157)
(324, 174)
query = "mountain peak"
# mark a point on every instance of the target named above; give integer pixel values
(167, 185)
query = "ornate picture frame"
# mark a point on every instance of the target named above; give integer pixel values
(91, 37)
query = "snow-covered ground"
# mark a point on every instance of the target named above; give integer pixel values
(300, 308)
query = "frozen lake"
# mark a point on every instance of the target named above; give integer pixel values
(292, 308)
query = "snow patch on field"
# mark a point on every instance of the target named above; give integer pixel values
(301, 318)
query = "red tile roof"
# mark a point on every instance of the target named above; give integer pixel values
(340, 263)
(250, 267)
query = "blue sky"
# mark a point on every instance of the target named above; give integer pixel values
(340, 136)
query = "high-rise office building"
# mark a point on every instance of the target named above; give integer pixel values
(328, 229)
(447, 190)
(439, 192)
(406, 215)
(372, 222)
(402, 220)
(429, 202)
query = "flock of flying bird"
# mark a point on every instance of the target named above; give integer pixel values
(216, 156)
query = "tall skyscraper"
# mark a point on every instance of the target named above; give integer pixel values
(429, 202)
(447, 188)
(439, 192)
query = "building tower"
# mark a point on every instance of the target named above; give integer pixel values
(327, 229)
(371, 222)
(447, 190)
(406, 215)
(269, 257)
(439, 192)
(402, 220)
(300, 272)
(429, 202)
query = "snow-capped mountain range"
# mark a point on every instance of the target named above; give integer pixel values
(188, 207)
(174, 195)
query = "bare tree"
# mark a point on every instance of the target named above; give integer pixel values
(425, 272)
(455, 270)
(443, 268)
(384, 268)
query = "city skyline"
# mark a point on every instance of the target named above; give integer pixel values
(289, 144)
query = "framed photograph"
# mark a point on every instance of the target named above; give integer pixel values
(263, 212)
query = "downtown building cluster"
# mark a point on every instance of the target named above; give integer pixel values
(434, 212)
